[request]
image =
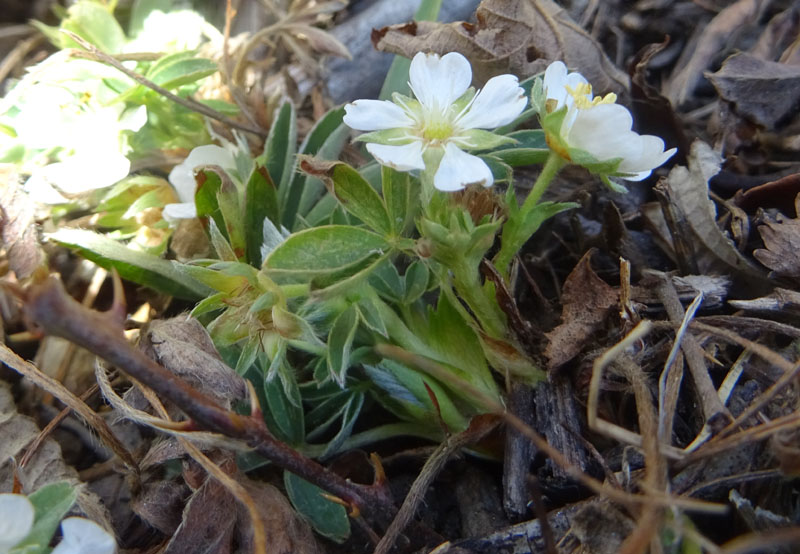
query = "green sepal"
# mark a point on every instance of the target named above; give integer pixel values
(478, 139)
(392, 137)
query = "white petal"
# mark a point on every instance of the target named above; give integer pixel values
(182, 175)
(498, 103)
(210, 154)
(182, 180)
(184, 210)
(458, 169)
(375, 115)
(85, 171)
(16, 519)
(401, 158)
(556, 81)
(438, 82)
(604, 131)
(82, 536)
(652, 155)
(43, 192)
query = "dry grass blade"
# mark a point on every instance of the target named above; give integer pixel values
(433, 466)
(73, 402)
(715, 414)
(761, 542)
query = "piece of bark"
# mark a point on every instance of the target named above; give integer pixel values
(362, 77)
(558, 418)
(522, 538)
(518, 455)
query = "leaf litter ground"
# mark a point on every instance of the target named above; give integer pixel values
(667, 319)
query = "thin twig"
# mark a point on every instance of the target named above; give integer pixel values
(97, 55)
(49, 306)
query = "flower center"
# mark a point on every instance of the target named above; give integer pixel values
(582, 92)
(437, 129)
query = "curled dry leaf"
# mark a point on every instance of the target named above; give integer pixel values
(688, 190)
(511, 36)
(781, 238)
(712, 40)
(587, 301)
(653, 113)
(17, 226)
(766, 93)
(183, 346)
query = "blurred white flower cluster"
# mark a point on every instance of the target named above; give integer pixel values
(79, 535)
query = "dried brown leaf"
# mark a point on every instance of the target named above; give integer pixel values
(712, 39)
(653, 113)
(18, 227)
(183, 346)
(765, 92)
(288, 533)
(207, 526)
(587, 301)
(510, 36)
(320, 41)
(688, 190)
(781, 238)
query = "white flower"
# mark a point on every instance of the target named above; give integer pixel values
(82, 536)
(445, 119)
(176, 31)
(597, 126)
(16, 520)
(182, 179)
(62, 113)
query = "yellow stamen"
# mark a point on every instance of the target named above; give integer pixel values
(583, 91)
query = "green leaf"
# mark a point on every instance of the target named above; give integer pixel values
(261, 202)
(347, 278)
(285, 409)
(132, 265)
(280, 148)
(221, 245)
(328, 518)
(387, 282)
(401, 195)
(501, 171)
(228, 200)
(371, 316)
(325, 140)
(340, 341)
(322, 250)
(182, 68)
(359, 198)
(416, 281)
(209, 183)
(218, 280)
(51, 502)
(349, 417)
(408, 387)
(94, 23)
